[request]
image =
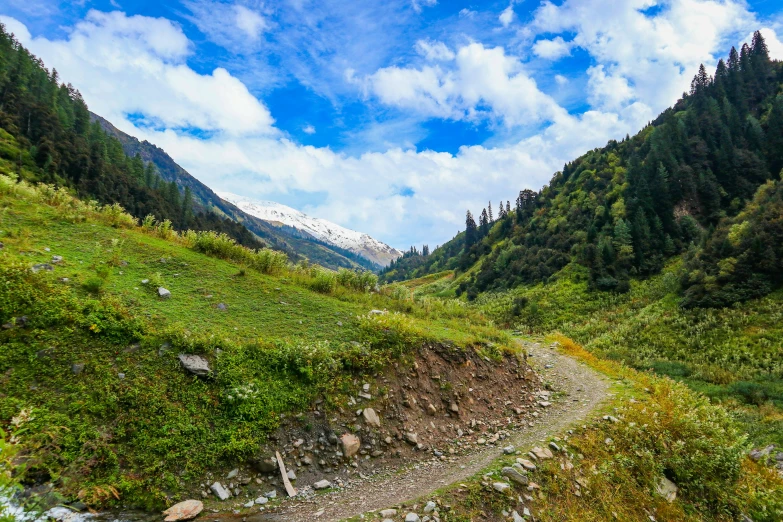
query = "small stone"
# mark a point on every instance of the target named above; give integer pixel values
(249, 504)
(528, 465)
(120, 376)
(365, 387)
(219, 491)
(412, 438)
(266, 466)
(222, 306)
(554, 446)
(291, 475)
(195, 364)
(261, 501)
(430, 507)
(163, 293)
(516, 517)
(515, 476)
(145, 281)
(233, 473)
(59, 259)
(544, 404)
(508, 450)
(371, 418)
(184, 510)
(271, 494)
(412, 517)
(501, 487)
(667, 489)
(388, 513)
(351, 444)
(42, 266)
(322, 484)
(77, 368)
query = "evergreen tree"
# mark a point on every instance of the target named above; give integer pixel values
(471, 233)
(489, 212)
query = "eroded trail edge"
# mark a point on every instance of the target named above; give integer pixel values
(577, 391)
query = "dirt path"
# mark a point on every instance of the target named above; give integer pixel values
(581, 390)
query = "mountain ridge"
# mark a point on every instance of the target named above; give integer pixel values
(358, 242)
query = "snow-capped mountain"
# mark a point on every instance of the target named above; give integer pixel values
(321, 229)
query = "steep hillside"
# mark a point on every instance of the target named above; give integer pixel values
(623, 210)
(286, 238)
(323, 230)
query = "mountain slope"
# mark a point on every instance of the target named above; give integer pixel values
(331, 233)
(623, 210)
(283, 238)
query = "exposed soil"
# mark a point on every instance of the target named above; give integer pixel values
(478, 406)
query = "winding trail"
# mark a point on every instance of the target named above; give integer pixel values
(580, 390)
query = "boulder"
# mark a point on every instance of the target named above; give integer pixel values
(501, 487)
(163, 293)
(371, 418)
(388, 513)
(430, 507)
(322, 484)
(195, 364)
(542, 453)
(351, 444)
(412, 517)
(219, 491)
(509, 450)
(265, 466)
(184, 510)
(412, 438)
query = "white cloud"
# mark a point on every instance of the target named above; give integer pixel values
(136, 65)
(231, 25)
(250, 22)
(656, 55)
(560, 79)
(609, 92)
(482, 83)
(434, 51)
(419, 4)
(553, 49)
(308, 129)
(466, 13)
(507, 16)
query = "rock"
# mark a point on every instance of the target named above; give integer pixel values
(528, 465)
(388, 513)
(195, 364)
(514, 476)
(42, 267)
(554, 447)
(667, 489)
(366, 387)
(508, 450)
(222, 306)
(542, 453)
(120, 375)
(271, 494)
(219, 491)
(163, 293)
(544, 404)
(412, 438)
(758, 454)
(322, 484)
(249, 504)
(412, 517)
(430, 507)
(265, 466)
(291, 475)
(365, 396)
(611, 419)
(516, 517)
(432, 409)
(351, 444)
(501, 487)
(371, 418)
(145, 281)
(261, 501)
(184, 510)
(376, 312)
(77, 368)
(233, 473)
(57, 259)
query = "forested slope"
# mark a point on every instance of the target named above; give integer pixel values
(680, 185)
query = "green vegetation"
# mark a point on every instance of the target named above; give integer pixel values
(662, 429)
(130, 423)
(685, 183)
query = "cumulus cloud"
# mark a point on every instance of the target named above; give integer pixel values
(234, 26)
(308, 129)
(480, 83)
(553, 49)
(136, 65)
(774, 45)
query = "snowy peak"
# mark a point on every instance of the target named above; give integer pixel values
(321, 229)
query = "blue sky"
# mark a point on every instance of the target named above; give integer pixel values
(391, 117)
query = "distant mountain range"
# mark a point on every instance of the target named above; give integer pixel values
(326, 231)
(298, 235)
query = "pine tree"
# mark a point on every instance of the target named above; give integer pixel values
(471, 235)
(484, 222)
(489, 212)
